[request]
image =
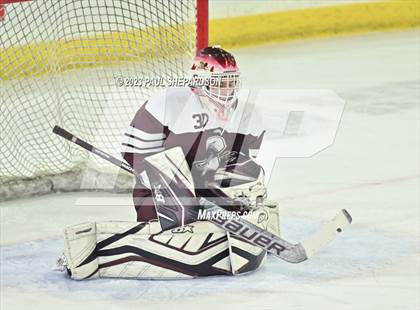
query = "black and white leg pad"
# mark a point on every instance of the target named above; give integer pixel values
(141, 250)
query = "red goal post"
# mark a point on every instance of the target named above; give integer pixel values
(202, 24)
(3, 7)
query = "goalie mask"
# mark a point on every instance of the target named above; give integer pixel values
(218, 71)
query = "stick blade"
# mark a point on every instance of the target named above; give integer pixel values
(327, 233)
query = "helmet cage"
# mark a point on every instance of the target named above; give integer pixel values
(222, 90)
(223, 87)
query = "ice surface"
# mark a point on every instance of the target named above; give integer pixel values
(372, 170)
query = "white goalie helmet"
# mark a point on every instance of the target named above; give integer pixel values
(219, 69)
(243, 180)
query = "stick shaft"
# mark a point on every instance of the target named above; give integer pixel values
(89, 147)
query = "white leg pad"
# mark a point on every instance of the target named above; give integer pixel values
(79, 243)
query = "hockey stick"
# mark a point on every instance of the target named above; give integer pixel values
(243, 229)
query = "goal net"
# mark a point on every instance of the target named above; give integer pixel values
(62, 62)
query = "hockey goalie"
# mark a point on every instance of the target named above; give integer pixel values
(186, 143)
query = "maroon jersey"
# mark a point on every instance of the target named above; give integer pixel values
(177, 117)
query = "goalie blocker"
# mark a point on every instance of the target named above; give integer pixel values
(176, 246)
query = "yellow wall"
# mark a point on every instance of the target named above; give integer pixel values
(315, 22)
(35, 59)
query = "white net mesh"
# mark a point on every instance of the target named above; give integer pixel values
(60, 61)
